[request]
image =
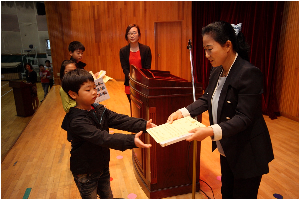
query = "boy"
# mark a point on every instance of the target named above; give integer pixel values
(50, 69)
(87, 126)
(76, 50)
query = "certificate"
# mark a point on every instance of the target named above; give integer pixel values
(167, 134)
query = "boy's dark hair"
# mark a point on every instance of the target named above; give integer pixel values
(41, 65)
(128, 29)
(75, 45)
(63, 67)
(47, 61)
(73, 80)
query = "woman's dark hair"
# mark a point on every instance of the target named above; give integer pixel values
(128, 29)
(30, 66)
(74, 79)
(63, 67)
(222, 31)
(75, 45)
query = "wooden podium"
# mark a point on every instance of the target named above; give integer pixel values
(23, 99)
(162, 171)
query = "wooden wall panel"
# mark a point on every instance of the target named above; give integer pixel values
(58, 22)
(287, 86)
(101, 26)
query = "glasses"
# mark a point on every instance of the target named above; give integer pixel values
(133, 33)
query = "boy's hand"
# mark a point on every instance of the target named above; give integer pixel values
(174, 116)
(139, 143)
(150, 124)
(96, 75)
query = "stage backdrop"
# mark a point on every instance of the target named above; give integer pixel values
(165, 26)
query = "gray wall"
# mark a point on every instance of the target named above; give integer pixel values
(22, 26)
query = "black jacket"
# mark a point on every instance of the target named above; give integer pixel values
(31, 77)
(88, 132)
(146, 58)
(245, 136)
(80, 65)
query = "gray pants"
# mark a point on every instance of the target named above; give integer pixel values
(45, 87)
(89, 185)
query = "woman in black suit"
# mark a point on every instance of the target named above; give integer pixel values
(134, 53)
(233, 100)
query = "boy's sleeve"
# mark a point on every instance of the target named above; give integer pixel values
(83, 128)
(126, 123)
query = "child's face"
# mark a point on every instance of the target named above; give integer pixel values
(77, 55)
(28, 67)
(69, 67)
(42, 68)
(47, 64)
(86, 96)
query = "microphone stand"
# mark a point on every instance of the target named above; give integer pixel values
(195, 142)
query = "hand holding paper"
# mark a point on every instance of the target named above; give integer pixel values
(150, 124)
(174, 116)
(102, 75)
(200, 133)
(167, 134)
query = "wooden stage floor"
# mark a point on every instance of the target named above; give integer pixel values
(37, 165)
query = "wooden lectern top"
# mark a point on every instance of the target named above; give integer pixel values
(18, 84)
(156, 83)
(154, 78)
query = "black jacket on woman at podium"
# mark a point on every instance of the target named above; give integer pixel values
(245, 137)
(146, 58)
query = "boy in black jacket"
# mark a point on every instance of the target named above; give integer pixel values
(87, 126)
(76, 50)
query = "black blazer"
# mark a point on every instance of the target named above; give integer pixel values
(146, 59)
(245, 136)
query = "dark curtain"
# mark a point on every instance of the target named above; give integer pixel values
(261, 25)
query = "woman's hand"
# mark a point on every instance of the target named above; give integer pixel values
(174, 116)
(150, 124)
(200, 133)
(139, 143)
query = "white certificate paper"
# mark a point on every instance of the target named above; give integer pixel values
(167, 134)
(102, 93)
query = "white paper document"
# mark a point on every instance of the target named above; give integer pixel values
(102, 93)
(167, 134)
(100, 80)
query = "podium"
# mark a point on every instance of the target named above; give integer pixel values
(162, 171)
(23, 99)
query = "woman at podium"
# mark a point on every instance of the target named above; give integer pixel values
(233, 100)
(134, 53)
(31, 77)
